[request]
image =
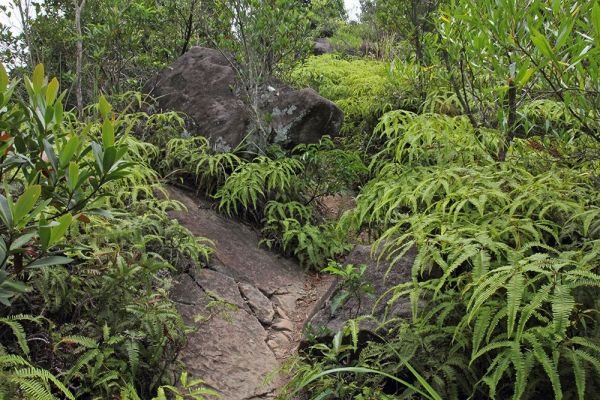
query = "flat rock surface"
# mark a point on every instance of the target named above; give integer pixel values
(248, 307)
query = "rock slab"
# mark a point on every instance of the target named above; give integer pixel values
(248, 307)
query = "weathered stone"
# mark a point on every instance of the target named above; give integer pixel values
(287, 301)
(202, 85)
(283, 325)
(377, 275)
(230, 354)
(301, 116)
(279, 343)
(258, 302)
(199, 84)
(322, 46)
(219, 285)
(237, 251)
(231, 350)
(187, 291)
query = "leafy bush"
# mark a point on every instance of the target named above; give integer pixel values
(507, 262)
(361, 88)
(86, 251)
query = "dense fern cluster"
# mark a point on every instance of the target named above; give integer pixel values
(508, 259)
(279, 191)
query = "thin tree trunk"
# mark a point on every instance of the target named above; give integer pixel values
(189, 29)
(78, 67)
(23, 9)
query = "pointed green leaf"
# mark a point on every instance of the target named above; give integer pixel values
(26, 202)
(108, 134)
(542, 44)
(38, 78)
(104, 107)
(52, 91)
(66, 154)
(48, 261)
(3, 79)
(57, 232)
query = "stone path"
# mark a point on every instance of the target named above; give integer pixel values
(248, 306)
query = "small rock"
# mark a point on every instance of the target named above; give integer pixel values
(283, 325)
(287, 302)
(281, 313)
(261, 306)
(279, 343)
(220, 285)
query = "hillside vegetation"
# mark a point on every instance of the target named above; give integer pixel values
(471, 136)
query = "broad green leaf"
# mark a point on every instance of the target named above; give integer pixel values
(73, 176)
(596, 19)
(3, 78)
(108, 134)
(6, 211)
(67, 152)
(526, 76)
(3, 252)
(542, 44)
(104, 107)
(38, 78)
(57, 232)
(45, 232)
(52, 91)
(26, 202)
(21, 241)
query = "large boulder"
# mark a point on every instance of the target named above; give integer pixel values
(322, 46)
(300, 116)
(202, 84)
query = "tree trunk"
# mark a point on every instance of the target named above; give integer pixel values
(78, 66)
(23, 9)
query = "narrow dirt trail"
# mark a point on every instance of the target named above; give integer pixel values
(248, 306)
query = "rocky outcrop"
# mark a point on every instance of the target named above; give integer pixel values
(248, 306)
(202, 85)
(374, 305)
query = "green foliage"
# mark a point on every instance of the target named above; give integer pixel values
(192, 158)
(500, 54)
(363, 89)
(87, 252)
(351, 286)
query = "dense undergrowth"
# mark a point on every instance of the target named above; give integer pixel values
(494, 185)
(88, 252)
(475, 147)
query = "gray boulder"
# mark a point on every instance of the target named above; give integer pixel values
(324, 323)
(322, 46)
(202, 85)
